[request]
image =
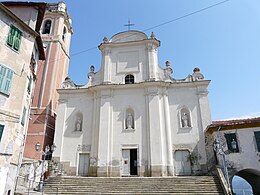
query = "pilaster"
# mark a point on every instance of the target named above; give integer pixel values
(205, 118)
(105, 134)
(156, 133)
(169, 149)
(106, 65)
(152, 61)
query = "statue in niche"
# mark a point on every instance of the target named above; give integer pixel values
(78, 124)
(185, 120)
(129, 121)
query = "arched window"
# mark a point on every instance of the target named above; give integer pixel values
(47, 27)
(129, 119)
(64, 33)
(129, 79)
(185, 118)
(78, 122)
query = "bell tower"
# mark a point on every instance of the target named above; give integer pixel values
(56, 32)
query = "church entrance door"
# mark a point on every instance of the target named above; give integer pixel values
(83, 164)
(182, 163)
(129, 162)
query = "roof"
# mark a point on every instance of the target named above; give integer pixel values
(41, 9)
(233, 124)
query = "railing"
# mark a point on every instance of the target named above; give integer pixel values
(223, 181)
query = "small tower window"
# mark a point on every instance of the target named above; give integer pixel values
(64, 34)
(129, 79)
(47, 27)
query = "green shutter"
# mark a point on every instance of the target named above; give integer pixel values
(10, 38)
(14, 38)
(7, 82)
(2, 76)
(257, 139)
(17, 41)
(6, 76)
(29, 85)
(23, 116)
(1, 131)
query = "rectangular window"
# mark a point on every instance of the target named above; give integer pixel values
(1, 131)
(257, 139)
(23, 116)
(6, 76)
(14, 38)
(231, 140)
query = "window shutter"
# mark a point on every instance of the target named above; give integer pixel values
(257, 138)
(29, 85)
(23, 116)
(1, 131)
(17, 41)
(2, 76)
(7, 82)
(10, 38)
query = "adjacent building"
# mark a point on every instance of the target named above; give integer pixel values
(240, 139)
(20, 49)
(132, 117)
(56, 31)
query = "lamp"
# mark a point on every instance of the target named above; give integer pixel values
(234, 145)
(45, 152)
(37, 147)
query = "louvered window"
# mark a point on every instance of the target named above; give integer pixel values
(14, 38)
(23, 116)
(1, 131)
(6, 76)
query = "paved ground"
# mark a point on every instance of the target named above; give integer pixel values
(20, 190)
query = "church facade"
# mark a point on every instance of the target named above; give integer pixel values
(132, 117)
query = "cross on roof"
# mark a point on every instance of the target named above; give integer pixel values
(129, 24)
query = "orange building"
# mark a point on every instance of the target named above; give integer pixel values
(56, 34)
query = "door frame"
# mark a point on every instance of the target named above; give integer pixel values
(88, 153)
(129, 147)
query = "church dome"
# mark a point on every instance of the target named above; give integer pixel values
(126, 36)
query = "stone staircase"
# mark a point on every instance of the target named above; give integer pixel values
(190, 185)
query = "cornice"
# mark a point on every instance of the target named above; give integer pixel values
(141, 85)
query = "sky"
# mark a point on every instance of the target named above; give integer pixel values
(223, 41)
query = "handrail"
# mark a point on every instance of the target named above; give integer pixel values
(223, 181)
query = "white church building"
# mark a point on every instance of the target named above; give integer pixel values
(132, 118)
